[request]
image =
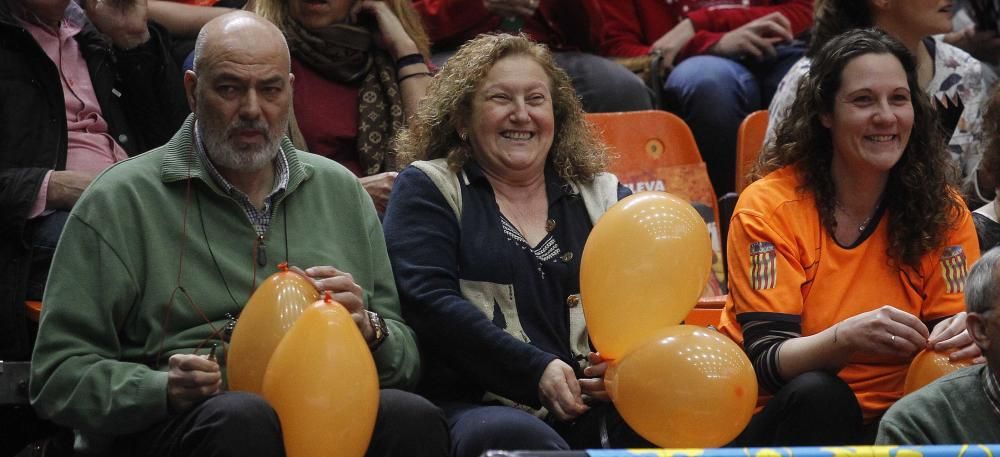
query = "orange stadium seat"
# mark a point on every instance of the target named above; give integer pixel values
(749, 142)
(34, 309)
(655, 150)
(707, 312)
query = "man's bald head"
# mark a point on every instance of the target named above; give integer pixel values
(240, 91)
(235, 32)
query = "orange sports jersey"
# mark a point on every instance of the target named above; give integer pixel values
(783, 261)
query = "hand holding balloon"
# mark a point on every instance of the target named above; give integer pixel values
(886, 331)
(593, 385)
(190, 380)
(950, 335)
(345, 291)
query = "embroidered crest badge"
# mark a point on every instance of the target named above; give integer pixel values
(953, 269)
(763, 265)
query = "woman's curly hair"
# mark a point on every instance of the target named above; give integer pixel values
(432, 133)
(920, 196)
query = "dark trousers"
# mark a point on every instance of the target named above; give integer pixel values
(814, 409)
(476, 428)
(243, 424)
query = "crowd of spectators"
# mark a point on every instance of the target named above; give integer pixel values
(468, 181)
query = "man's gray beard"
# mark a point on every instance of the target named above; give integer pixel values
(223, 154)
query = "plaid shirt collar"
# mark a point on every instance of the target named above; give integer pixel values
(259, 218)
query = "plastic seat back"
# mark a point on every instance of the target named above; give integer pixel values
(749, 143)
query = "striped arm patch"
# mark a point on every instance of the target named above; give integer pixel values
(953, 269)
(763, 265)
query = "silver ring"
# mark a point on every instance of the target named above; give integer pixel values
(892, 339)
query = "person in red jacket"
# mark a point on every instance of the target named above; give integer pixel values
(725, 59)
(570, 28)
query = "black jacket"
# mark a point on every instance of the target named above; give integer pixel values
(141, 98)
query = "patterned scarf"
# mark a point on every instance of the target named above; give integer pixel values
(346, 54)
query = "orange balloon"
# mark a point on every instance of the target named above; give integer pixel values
(323, 384)
(927, 366)
(643, 268)
(687, 387)
(267, 316)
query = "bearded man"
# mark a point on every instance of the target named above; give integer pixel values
(162, 251)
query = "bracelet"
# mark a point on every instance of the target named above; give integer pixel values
(409, 59)
(419, 73)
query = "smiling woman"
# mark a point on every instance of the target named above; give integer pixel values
(485, 235)
(864, 244)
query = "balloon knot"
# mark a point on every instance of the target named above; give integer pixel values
(327, 297)
(283, 266)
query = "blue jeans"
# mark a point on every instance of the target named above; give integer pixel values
(713, 94)
(44, 235)
(603, 85)
(476, 428)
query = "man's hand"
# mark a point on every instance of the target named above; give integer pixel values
(124, 21)
(671, 43)
(559, 391)
(755, 38)
(379, 187)
(345, 291)
(65, 188)
(190, 380)
(508, 8)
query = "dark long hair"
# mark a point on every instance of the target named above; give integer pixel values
(920, 196)
(833, 17)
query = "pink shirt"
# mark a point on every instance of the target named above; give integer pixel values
(89, 146)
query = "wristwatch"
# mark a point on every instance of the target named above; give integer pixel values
(378, 325)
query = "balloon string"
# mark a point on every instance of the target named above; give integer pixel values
(180, 259)
(168, 307)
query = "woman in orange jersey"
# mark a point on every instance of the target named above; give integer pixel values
(849, 255)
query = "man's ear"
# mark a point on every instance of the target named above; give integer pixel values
(190, 84)
(976, 324)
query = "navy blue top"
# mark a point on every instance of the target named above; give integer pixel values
(465, 353)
